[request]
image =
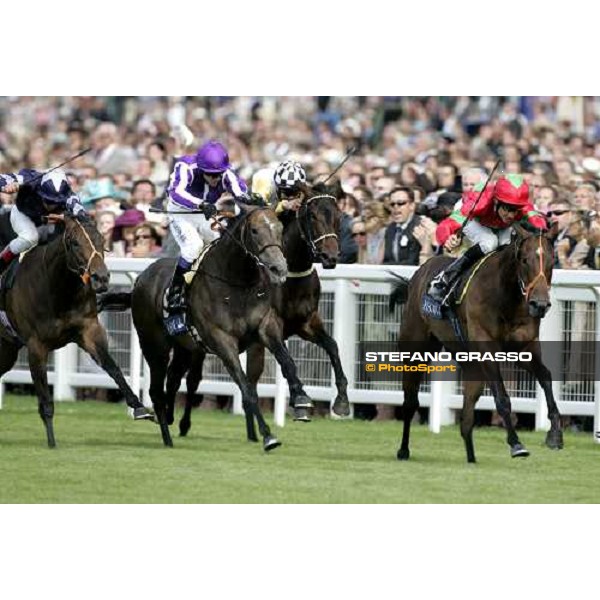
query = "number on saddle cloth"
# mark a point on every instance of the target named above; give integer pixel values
(431, 307)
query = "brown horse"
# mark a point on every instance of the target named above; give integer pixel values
(503, 307)
(52, 303)
(231, 306)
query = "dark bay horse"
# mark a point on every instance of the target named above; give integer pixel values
(309, 235)
(231, 306)
(52, 302)
(503, 307)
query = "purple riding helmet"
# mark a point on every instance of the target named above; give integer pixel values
(212, 157)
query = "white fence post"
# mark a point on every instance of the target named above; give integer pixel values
(65, 365)
(439, 412)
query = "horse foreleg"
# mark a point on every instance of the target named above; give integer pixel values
(226, 347)
(472, 392)
(38, 366)
(554, 437)
(314, 331)
(503, 406)
(255, 365)
(194, 377)
(94, 341)
(271, 335)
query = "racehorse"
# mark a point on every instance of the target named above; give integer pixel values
(52, 302)
(309, 235)
(230, 306)
(505, 301)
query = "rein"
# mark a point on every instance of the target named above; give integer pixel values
(84, 273)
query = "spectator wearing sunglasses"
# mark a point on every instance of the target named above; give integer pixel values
(146, 242)
(402, 245)
(561, 216)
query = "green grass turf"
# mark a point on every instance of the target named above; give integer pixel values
(105, 457)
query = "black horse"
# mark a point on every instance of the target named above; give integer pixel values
(52, 302)
(502, 310)
(309, 235)
(231, 307)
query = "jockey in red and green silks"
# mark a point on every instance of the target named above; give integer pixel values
(489, 225)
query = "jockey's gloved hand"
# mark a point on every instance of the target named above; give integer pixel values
(244, 198)
(209, 210)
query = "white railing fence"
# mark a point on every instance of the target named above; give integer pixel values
(354, 307)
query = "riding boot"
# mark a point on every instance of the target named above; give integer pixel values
(440, 285)
(175, 299)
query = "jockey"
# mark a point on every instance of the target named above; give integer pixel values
(289, 177)
(489, 227)
(38, 195)
(197, 183)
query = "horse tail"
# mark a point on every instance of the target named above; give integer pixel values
(399, 293)
(113, 301)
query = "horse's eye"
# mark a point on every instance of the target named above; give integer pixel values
(524, 261)
(254, 231)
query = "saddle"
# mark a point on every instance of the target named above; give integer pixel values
(457, 293)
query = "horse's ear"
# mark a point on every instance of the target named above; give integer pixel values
(552, 231)
(522, 233)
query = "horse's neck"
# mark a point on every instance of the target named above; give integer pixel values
(297, 252)
(55, 257)
(239, 267)
(508, 285)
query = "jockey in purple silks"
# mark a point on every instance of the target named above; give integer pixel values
(197, 182)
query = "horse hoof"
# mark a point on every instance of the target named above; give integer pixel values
(301, 414)
(341, 407)
(142, 414)
(270, 443)
(403, 454)
(183, 429)
(252, 438)
(519, 451)
(554, 440)
(302, 402)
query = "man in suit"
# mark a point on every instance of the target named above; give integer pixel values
(401, 245)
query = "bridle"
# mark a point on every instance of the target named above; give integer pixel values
(527, 289)
(83, 272)
(306, 233)
(242, 243)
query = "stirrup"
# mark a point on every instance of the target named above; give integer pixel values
(175, 324)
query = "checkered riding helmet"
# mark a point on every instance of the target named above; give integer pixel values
(289, 174)
(54, 187)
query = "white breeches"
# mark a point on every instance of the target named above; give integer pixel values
(487, 239)
(27, 233)
(191, 232)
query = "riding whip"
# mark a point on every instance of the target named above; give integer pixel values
(348, 155)
(40, 175)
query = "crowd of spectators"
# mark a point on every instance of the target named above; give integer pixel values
(413, 157)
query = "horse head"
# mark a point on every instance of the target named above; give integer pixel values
(319, 222)
(261, 237)
(85, 252)
(535, 259)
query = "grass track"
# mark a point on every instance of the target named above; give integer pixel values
(104, 457)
